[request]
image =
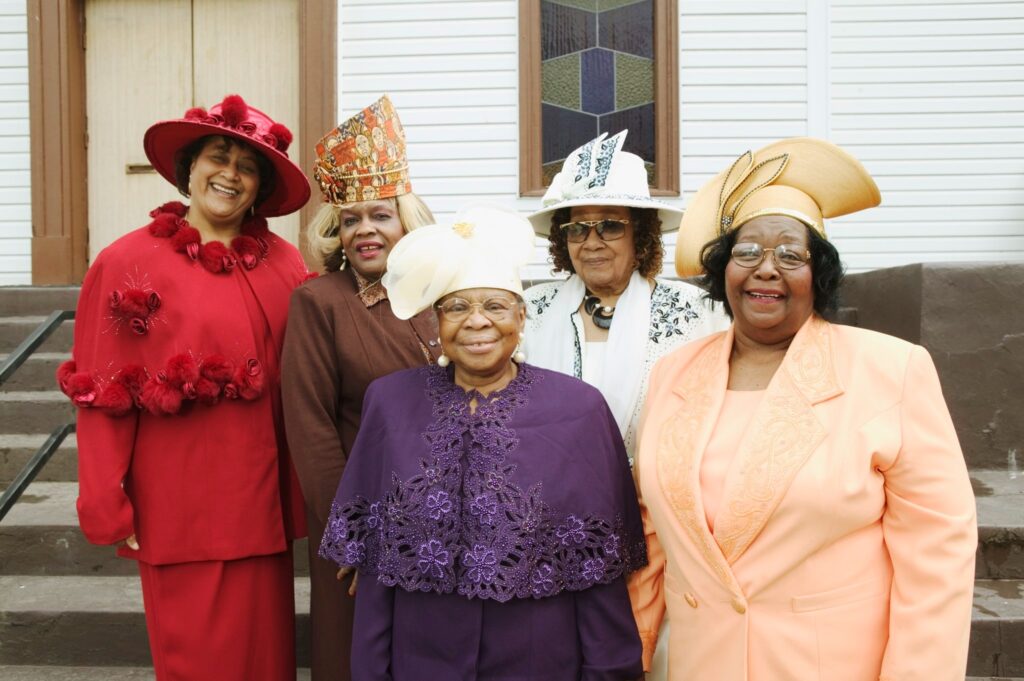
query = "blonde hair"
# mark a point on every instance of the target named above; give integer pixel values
(323, 234)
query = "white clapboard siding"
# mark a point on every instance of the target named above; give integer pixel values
(929, 96)
(15, 191)
(451, 69)
(928, 93)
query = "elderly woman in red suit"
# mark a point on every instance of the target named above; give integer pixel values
(182, 457)
(342, 334)
(808, 507)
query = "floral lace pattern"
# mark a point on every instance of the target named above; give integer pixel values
(464, 526)
(670, 316)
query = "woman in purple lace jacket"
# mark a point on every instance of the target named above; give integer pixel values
(487, 505)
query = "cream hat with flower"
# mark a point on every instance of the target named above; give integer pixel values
(600, 174)
(483, 248)
(803, 178)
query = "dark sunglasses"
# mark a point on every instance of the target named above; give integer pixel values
(608, 229)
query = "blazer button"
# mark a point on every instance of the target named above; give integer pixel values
(690, 599)
(738, 606)
(432, 343)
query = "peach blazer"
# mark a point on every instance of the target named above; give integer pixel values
(844, 546)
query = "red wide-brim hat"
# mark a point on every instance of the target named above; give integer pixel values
(236, 119)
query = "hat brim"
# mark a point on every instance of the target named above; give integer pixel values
(165, 139)
(670, 216)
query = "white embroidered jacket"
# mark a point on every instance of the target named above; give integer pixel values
(679, 314)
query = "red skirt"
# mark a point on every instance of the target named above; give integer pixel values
(221, 620)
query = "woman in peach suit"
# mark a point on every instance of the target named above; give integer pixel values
(808, 509)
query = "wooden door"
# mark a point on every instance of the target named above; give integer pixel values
(149, 60)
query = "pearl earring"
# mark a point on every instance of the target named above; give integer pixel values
(442, 360)
(520, 354)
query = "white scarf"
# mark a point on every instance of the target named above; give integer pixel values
(552, 346)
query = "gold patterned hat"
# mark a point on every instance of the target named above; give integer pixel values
(363, 159)
(803, 178)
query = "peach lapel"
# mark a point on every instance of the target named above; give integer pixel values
(782, 435)
(682, 439)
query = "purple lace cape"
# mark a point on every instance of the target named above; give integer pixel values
(527, 497)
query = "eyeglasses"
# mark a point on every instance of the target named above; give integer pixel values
(496, 309)
(786, 257)
(608, 229)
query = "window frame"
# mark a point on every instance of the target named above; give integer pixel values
(666, 99)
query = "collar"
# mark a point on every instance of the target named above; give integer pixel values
(247, 249)
(370, 292)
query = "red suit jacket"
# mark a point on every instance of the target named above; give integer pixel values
(176, 370)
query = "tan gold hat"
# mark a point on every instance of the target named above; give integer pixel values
(803, 178)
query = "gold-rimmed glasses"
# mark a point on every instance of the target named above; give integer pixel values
(785, 256)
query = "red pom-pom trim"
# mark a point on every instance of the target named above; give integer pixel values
(216, 368)
(133, 377)
(196, 113)
(207, 391)
(186, 235)
(81, 388)
(216, 257)
(283, 136)
(64, 372)
(164, 225)
(175, 207)
(234, 110)
(249, 380)
(115, 400)
(182, 369)
(160, 397)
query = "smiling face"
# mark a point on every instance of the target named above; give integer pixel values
(604, 266)
(770, 304)
(478, 346)
(224, 180)
(369, 230)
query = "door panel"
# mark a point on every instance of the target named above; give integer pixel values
(251, 47)
(138, 71)
(151, 60)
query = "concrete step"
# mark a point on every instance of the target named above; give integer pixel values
(34, 411)
(13, 330)
(40, 537)
(997, 629)
(38, 372)
(35, 673)
(1000, 499)
(36, 300)
(87, 621)
(100, 621)
(17, 449)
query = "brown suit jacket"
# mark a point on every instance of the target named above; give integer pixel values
(334, 347)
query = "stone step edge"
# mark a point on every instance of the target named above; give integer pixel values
(61, 673)
(114, 594)
(120, 594)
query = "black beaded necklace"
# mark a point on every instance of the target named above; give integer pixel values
(600, 314)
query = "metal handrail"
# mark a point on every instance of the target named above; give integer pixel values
(34, 340)
(14, 360)
(32, 468)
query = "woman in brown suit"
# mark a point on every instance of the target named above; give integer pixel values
(342, 335)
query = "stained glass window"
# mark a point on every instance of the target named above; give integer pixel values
(597, 75)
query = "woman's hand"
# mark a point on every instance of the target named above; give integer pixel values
(343, 573)
(131, 542)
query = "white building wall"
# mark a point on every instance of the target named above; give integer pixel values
(929, 95)
(15, 194)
